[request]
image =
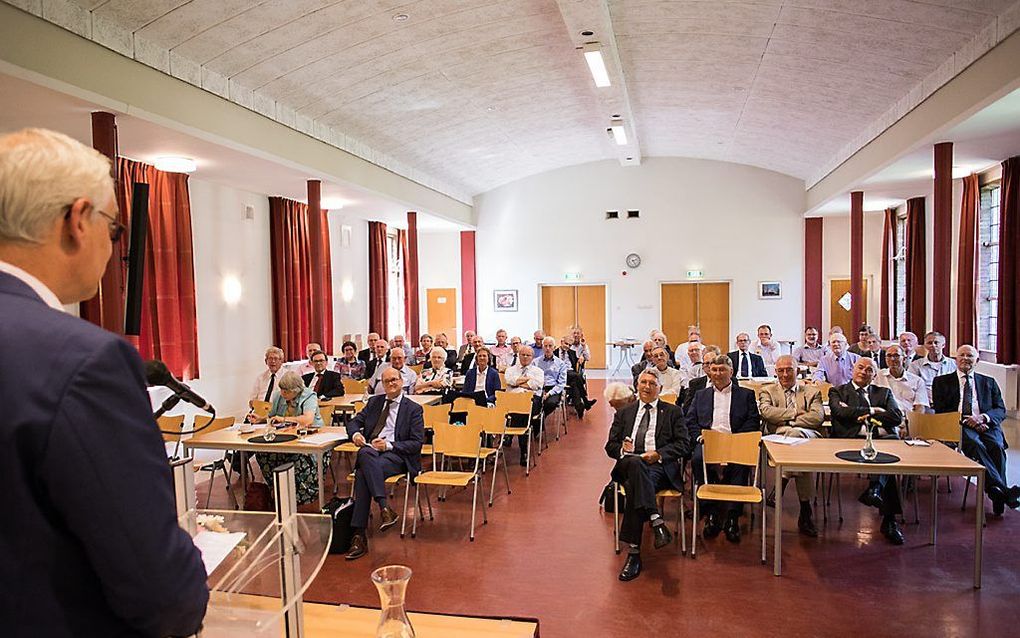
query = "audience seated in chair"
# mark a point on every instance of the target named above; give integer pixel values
(836, 366)
(500, 350)
(746, 364)
(369, 351)
(767, 348)
(810, 352)
(908, 388)
(265, 386)
(482, 381)
(695, 384)
(436, 379)
(671, 380)
(397, 362)
(525, 376)
(350, 365)
(555, 372)
(326, 384)
(908, 341)
(421, 354)
(442, 341)
(935, 363)
(379, 357)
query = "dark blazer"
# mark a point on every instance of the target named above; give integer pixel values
(410, 430)
(332, 384)
(696, 385)
(879, 357)
(846, 406)
(491, 383)
(372, 364)
(945, 396)
(89, 543)
(466, 363)
(671, 439)
(571, 358)
(744, 415)
(365, 355)
(757, 363)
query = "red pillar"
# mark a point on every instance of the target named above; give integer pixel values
(469, 312)
(106, 309)
(317, 328)
(856, 260)
(943, 230)
(413, 311)
(813, 273)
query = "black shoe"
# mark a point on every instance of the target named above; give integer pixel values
(891, 530)
(662, 535)
(712, 527)
(1013, 492)
(580, 411)
(524, 461)
(359, 547)
(631, 568)
(806, 524)
(732, 529)
(388, 518)
(998, 507)
(871, 497)
(589, 403)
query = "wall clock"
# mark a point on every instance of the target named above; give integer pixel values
(633, 260)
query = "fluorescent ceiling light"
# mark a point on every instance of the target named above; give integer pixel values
(619, 133)
(175, 164)
(597, 66)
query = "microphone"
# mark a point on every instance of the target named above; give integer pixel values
(156, 373)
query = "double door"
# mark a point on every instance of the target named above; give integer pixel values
(564, 307)
(703, 304)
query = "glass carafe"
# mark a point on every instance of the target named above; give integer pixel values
(868, 452)
(391, 581)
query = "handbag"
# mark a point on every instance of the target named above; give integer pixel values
(257, 497)
(341, 511)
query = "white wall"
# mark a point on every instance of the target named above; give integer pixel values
(836, 264)
(734, 222)
(439, 267)
(350, 276)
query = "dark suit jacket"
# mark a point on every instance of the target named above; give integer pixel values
(697, 384)
(671, 439)
(757, 363)
(846, 406)
(89, 543)
(744, 415)
(332, 384)
(410, 428)
(491, 383)
(571, 358)
(372, 364)
(466, 363)
(945, 396)
(365, 355)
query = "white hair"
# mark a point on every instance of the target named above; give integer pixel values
(617, 391)
(291, 382)
(274, 350)
(41, 173)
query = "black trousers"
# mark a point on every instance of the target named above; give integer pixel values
(373, 468)
(988, 449)
(577, 389)
(641, 481)
(729, 474)
(551, 402)
(520, 420)
(888, 488)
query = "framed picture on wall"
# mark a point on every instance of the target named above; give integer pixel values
(504, 300)
(770, 290)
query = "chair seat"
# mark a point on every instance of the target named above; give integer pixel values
(739, 493)
(484, 454)
(516, 431)
(669, 493)
(390, 480)
(457, 479)
(346, 446)
(426, 449)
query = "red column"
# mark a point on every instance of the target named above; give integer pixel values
(469, 312)
(943, 246)
(856, 260)
(106, 309)
(317, 328)
(412, 282)
(813, 273)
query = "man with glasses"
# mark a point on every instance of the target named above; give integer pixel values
(326, 384)
(810, 353)
(746, 364)
(908, 388)
(512, 357)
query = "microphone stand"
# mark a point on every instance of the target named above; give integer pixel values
(169, 404)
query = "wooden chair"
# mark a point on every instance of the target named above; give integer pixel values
(461, 404)
(208, 424)
(740, 449)
(823, 389)
(167, 424)
(660, 496)
(260, 408)
(418, 368)
(517, 403)
(944, 428)
(454, 440)
(668, 398)
(354, 386)
(326, 413)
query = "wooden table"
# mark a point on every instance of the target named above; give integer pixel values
(819, 455)
(233, 439)
(346, 402)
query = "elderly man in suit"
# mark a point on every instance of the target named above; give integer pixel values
(978, 400)
(380, 355)
(725, 407)
(90, 538)
(366, 354)
(695, 384)
(326, 384)
(854, 405)
(389, 434)
(397, 362)
(746, 364)
(648, 440)
(790, 408)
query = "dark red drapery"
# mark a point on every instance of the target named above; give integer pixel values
(887, 255)
(406, 268)
(966, 271)
(378, 266)
(169, 330)
(916, 267)
(1008, 341)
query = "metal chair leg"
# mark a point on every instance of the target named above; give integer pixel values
(763, 527)
(474, 507)
(694, 530)
(414, 525)
(616, 516)
(407, 492)
(681, 524)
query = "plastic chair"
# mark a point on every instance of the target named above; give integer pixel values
(661, 496)
(517, 403)
(208, 424)
(167, 424)
(944, 428)
(354, 386)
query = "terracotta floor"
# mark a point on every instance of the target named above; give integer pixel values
(547, 553)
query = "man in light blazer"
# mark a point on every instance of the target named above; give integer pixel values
(647, 440)
(389, 434)
(981, 419)
(794, 409)
(737, 412)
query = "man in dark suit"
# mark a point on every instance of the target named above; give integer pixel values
(978, 400)
(380, 355)
(366, 354)
(326, 384)
(89, 540)
(746, 363)
(726, 407)
(484, 394)
(468, 358)
(701, 382)
(854, 406)
(389, 434)
(648, 441)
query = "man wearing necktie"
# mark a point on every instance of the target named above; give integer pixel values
(978, 400)
(265, 384)
(380, 355)
(648, 441)
(389, 434)
(326, 384)
(746, 364)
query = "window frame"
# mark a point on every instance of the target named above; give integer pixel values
(989, 221)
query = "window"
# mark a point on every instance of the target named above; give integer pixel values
(900, 273)
(988, 267)
(395, 286)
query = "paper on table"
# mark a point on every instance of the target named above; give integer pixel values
(215, 546)
(321, 437)
(784, 440)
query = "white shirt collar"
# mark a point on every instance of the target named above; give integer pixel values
(961, 374)
(654, 403)
(726, 390)
(38, 287)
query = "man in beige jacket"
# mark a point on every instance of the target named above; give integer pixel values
(794, 409)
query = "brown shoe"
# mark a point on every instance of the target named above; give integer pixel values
(388, 517)
(359, 547)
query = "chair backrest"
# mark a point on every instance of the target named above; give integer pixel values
(490, 418)
(502, 379)
(354, 386)
(461, 404)
(435, 414)
(359, 406)
(460, 440)
(260, 408)
(173, 423)
(668, 398)
(220, 423)
(753, 386)
(741, 449)
(823, 389)
(418, 368)
(943, 427)
(514, 402)
(326, 412)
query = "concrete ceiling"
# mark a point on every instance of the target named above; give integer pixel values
(470, 94)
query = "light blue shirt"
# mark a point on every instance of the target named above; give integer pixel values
(836, 371)
(410, 378)
(389, 430)
(555, 371)
(304, 403)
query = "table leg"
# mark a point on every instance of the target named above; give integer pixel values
(320, 470)
(979, 527)
(244, 476)
(934, 507)
(777, 514)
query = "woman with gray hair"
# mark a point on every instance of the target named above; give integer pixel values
(438, 379)
(618, 394)
(298, 405)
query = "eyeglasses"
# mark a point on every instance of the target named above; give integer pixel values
(116, 228)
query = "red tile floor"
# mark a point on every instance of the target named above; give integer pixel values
(547, 553)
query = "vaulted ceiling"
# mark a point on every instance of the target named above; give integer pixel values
(465, 95)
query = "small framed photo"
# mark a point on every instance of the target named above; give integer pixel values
(770, 290)
(504, 300)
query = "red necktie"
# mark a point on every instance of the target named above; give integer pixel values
(318, 382)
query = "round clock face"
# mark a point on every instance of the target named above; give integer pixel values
(633, 260)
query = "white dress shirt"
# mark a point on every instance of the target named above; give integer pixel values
(389, 431)
(768, 353)
(652, 418)
(533, 373)
(671, 380)
(33, 282)
(909, 390)
(480, 379)
(974, 408)
(258, 390)
(721, 408)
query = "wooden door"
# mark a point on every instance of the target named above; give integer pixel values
(714, 314)
(840, 315)
(559, 310)
(591, 317)
(441, 306)
(679, 310)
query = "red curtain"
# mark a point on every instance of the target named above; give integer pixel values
(916, 269)
(886, 292)
(378, 265)
(168, 328)
(966, 271)
(1008, 342)
(326, 286)
(402, 240)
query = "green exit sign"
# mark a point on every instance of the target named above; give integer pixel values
(572, 276)
(695, 274)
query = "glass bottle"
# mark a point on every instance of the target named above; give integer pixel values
(391, 581)
(868, 452)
